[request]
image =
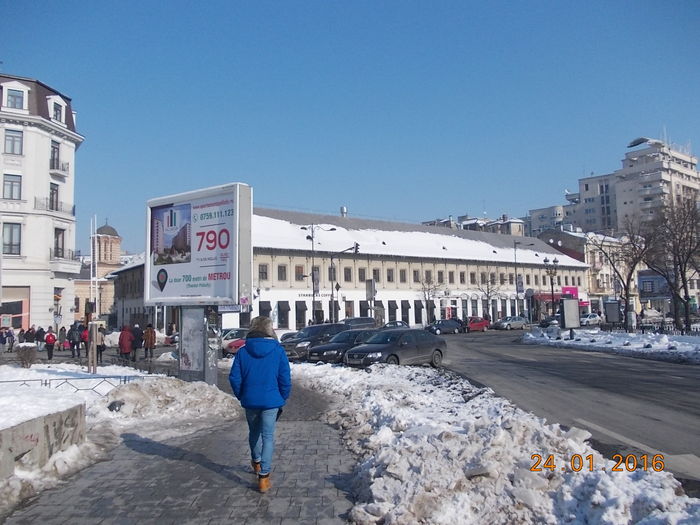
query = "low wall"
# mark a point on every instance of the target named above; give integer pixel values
(31, 443)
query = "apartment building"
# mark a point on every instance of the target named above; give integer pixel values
(37, 208)
(653, 174)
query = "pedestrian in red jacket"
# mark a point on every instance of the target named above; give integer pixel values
(126, 338)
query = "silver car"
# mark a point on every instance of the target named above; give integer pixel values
(590, 320)
(514, 322)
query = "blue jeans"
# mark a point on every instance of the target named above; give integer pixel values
(261, 436)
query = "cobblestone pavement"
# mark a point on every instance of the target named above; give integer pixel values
(206, 477)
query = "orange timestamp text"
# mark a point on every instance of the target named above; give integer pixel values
(577, 463)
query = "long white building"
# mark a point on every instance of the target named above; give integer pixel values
(37, 208)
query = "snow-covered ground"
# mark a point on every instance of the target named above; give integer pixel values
(433, 448)
(660, 347)
(156, 407)
(437, 450)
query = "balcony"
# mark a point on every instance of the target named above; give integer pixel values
(64, 261)
(56, 167)
(64, 254)
(54, 205)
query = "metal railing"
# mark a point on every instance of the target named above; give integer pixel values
(62, 253)
(101, 385)
(57, 165)
(47, 204)
(667, 328)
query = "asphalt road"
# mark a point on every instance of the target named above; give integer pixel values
(629, 405)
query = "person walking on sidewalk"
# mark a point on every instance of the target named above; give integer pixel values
(149, 342)
(100, 343)
(50, 341)
(137, 341)
(74, 338)
(261, 380)
(62, 339)
(126, 339)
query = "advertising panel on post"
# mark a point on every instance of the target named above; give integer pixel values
(199, 247)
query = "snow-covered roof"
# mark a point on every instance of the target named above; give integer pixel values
(136, 260)
(280, 229)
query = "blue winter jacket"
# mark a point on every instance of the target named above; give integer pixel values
(260, 376)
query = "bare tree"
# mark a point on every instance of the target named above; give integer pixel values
(674, 255)
(489, 286)
(429, 290)
(625, 255)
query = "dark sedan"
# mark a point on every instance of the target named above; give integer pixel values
(298, 347)
(403, 346)
(334, 350)
(445, 326)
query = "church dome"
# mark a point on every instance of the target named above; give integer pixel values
(107, 230)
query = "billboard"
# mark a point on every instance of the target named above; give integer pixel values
(199, 247)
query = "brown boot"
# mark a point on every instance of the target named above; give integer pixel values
(256, 466)
(264, 482)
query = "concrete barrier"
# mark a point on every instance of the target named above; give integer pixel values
(31, 443)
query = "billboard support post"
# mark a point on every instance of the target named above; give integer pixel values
(199, 253)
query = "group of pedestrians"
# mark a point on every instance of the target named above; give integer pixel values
(7, 339)
(133, 338)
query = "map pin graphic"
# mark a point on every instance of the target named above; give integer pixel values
(162, 279)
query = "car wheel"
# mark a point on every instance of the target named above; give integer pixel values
(456, 330)
(507, 327)
(392, 360)
(436, 359)
(486, 328)
(437, 331)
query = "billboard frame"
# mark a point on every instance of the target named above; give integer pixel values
(230, 208)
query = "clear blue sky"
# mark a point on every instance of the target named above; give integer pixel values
(398, 110)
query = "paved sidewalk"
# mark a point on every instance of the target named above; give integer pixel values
(206, 478)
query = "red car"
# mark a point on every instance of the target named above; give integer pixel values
(477, 324)
(232, 341)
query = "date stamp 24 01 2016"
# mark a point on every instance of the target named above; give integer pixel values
(577, 463)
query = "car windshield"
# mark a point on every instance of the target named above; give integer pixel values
(310, 331)
(383, 338)
(236, 334)
(344, 337)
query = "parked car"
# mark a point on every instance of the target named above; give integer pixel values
(334, 350)
(288, 335)
(477, 324)
(297, 348)
(590, 319)
(360, 322)
(513, 322)
(395, 324)
(232, 341)
(444, 326)
(399, 346)
(552, 320)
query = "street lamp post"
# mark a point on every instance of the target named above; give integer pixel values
(356, 248)
(551, 269)
(518, 284)
(313, 228)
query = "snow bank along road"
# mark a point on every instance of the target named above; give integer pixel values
(629, 405)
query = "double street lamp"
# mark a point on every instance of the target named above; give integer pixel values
(551, 269)
(313, 228)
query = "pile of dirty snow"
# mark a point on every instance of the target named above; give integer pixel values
(438, 450)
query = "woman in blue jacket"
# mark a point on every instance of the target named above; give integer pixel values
(261, 380)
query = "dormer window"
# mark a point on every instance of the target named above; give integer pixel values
(57, 108)
(15, 99)
(57, 112)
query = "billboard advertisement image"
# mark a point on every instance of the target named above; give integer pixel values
(195, 245)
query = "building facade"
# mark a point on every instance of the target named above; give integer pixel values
(652, 175)
(420, 273)
(37, 210)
